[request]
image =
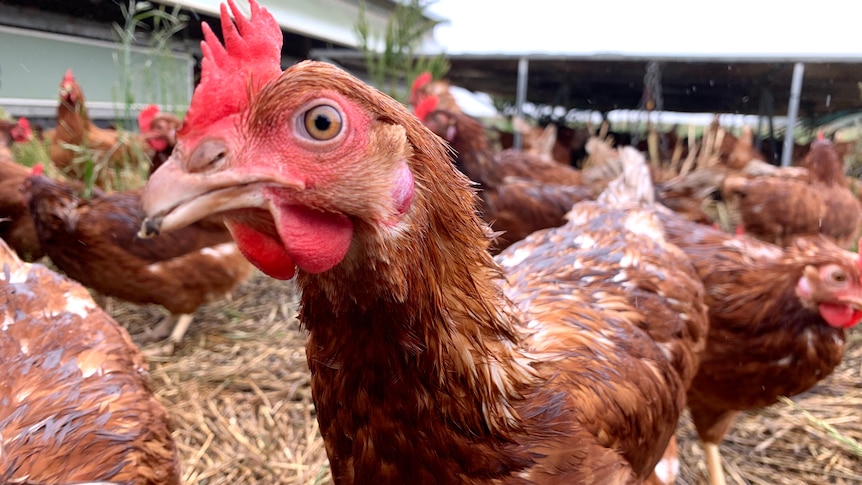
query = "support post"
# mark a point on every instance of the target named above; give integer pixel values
(521, 96)
(792, 112)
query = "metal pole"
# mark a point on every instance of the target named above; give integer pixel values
(792, 112)
(521, 95)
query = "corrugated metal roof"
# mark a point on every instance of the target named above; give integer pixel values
(328, 20)
(604, 82)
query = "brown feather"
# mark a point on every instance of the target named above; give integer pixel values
(16, 225)
(777, 209)
(764, 341)
(428, 364)
(95, 242)
(76, 406)
(74, 127)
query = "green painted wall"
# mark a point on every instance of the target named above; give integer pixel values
(32, 64)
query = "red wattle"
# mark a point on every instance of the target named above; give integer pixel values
(158, 144)
(315, 240)
(263, 251)
(839, 316)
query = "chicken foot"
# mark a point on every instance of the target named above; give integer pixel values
(176, 335)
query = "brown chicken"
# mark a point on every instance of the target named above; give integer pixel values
(13, 132)
(16, 225)
(520, 193)
(159, 131)
(778, 322)
(425, 86)
(76, 405)
(110, 148)
(94, 241)
(428, 366)
(777, 209)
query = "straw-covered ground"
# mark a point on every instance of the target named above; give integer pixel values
(238, 391)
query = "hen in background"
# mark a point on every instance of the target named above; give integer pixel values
(778, 322)
(13, 132)
(424, 86)
(520, 193)
(428, 365)
(108, 149)
(159, 131)
(76, 405)
(94, 241)
(16, 225)
(778, 209)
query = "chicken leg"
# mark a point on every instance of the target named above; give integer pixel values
(713, 464)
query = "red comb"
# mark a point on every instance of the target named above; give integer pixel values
(820, 136)
(250, 56)
(146, 116)
(421, 81)
(22, 132)
(69, 78)
(37, 169)
(425, 107)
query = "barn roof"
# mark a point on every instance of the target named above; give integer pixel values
(604, 82)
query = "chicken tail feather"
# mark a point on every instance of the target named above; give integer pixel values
(632, 187)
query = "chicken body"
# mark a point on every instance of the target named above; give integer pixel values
(778, 320)
(74, 127)
(16, 225)
(520, 193)
(94, 241)
(427, 364)
(76, 405)
(777, 209)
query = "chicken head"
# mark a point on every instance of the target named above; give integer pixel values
(835, 291)
(340, 162)
(70, 90)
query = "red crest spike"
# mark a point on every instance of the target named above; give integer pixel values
(250, 56)
(37, 169)
(69, 78)
(421, 81)
(425, 107)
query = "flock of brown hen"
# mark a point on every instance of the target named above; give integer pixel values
(473, 315)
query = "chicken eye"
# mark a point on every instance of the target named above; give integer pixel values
(323, 122)
(838, 276)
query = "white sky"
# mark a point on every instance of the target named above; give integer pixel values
(651, 27)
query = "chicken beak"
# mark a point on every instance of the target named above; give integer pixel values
(854, 301)
(173, 198)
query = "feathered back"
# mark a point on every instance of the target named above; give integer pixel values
(824, 164)
(250, 56)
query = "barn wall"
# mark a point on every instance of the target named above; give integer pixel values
(30, 74)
